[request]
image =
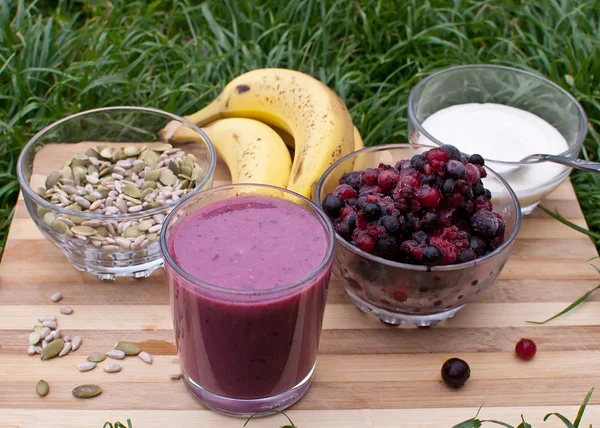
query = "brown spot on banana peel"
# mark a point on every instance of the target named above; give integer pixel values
(242, 88)
(236, 137)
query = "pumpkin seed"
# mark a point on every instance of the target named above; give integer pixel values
(117, 153)
(96, 357)
(53, 349)
(162, 147)
(101, 231)
(134, 200)
(49, 218)
(105, 172)
(85, 367)
(128, 347)
(34, 338)
(149, 184)
(151, 158)
(52, 179)
(59, 227)
(174, 167)
(152, 236)
(145, 225)
(41, 191)
(66, 172)
(147, 192)
(132, 191)
(38, 328)
(130, 151)
(152, 175)
(186, 170)
(132, 232)
(107, 153)
(87, 391)
(167, 177)
(83, 230)
(42, 388)
(79, 159)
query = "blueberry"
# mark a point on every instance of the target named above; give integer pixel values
(455, 372)
(448, 186)
(391, 223)
(351, 202)
(332, 204)
(360, 204)
(451, 151)
(455, 169)
(353, 179)
(488, 194)
(430, 220)
(429, 179)
(477, 160)
(386, 247)
(372, 211)
(432, 255)
(343, 229)
(420, 236)
(465, 255)
(478, 245)
(485, 223)
(478, 189)
(468, 193)
(418, 162)
(351, 220)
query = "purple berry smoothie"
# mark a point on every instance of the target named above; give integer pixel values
(249, 332)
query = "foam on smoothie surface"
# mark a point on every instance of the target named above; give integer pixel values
(249, 243)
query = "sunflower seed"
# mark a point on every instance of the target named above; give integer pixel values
(128, 347)
(49, 324)
(86, 367)
(146, 357)
(38, 349)
(65, 310)
(55, 298)
(66, 349)
(76, 343)
(49, 338)
(115, 354)
(45, 332)
(53, 349)
(112, 368)
(87, 391)
(56, 334)
(67, 338)
(47, 318)
(42, 388)
(175, 376)
(31, 350)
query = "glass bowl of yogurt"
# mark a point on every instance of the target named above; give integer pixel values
(503, 114)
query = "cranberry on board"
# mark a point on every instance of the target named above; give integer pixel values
(525, 349)
(432, 209)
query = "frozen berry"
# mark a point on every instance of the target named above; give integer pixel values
(432, 255)
(478, 189)
(391, 223)
(455, 372)
(448, 186)
(387, 179)
(429, 197)
(361, 221)
(452, 152)
(372, 211)
(465, 255)
(332, 204)
(478, 245)
(376, 230)
(370, 176)
(477, 160)
(353, 179)
(456, 169)
(430, 220)
(481, 203)
(346, 211)
(365, 242)
(345, 191)
(418, 162)
(435, 155)
(488, 194)
(525, 349)
(485, 223)
(430, 179)
(386, 247)
(343, 228)
(420, 236)
(472, 173)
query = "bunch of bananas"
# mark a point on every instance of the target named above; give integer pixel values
(306, 115)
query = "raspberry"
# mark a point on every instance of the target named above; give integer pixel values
(429, 197)
(481, 203)
(345, 191)
(370, 176)
(387, 179)
(449, 251)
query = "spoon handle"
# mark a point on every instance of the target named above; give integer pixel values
(581, 164)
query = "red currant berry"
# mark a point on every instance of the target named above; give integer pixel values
(525, 349)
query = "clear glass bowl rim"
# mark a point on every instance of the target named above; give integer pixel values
(158, 210)
(581, 133)
(422, 268)
(230, 291)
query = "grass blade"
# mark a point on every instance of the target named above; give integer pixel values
(568, 308)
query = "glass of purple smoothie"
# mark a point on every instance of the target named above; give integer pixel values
(248, 267)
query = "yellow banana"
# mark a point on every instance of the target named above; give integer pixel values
(358, 141)
(253, 152)
(295, 102)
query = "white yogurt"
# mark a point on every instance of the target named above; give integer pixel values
(504, 133)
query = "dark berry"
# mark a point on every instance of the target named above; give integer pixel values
(376, 230)
(455, 169)
(418, 162)
(365, 242)
(430, 220)
(465, 255)
(472, 173)
(429, 197)
(481, 203)
(345, 191)
(361, 221)
(372, 211)
(420, 236)
(476, 159)
(370, 176)
(353, 179)
(478, 245)
(429, 179)
(352, 202)
(391, 223)
(452, 152)
(478, 189)
(455, 372)
(432, 255)
(387, 179)
(525, 349)
(332, 204)
(386, 247)
(485, 223)
(346, 211)
(343, 228)
(488, 194)
(360, 202)
(448, 186)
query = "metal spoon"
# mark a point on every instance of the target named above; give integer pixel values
(581, 164)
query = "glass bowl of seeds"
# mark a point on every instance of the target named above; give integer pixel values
(99, 184)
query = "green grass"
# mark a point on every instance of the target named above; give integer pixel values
(60, 57)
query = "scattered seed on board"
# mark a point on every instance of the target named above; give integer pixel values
(56, 297)
(56, 334)
(38, 349)
(66, 349)
(49, 338)
(67, 338)
(96, 357)
(47, 318)
(42, 388)
(128, 347)
(31, 350)
(146, 357)
(175, 376)
(76, 341)
(53, 349)
(45, 332)
(34, 338)
(87, 391)
(112, 368)
(50, 324)
(65, 310)
(87, 366)
(115, 354)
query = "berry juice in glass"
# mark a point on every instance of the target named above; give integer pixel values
(248, 268)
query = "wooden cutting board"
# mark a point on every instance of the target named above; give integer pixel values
(368, 374)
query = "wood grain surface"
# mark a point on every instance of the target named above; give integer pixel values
(368, 374)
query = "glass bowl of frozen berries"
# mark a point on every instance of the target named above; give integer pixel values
(418, 232)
